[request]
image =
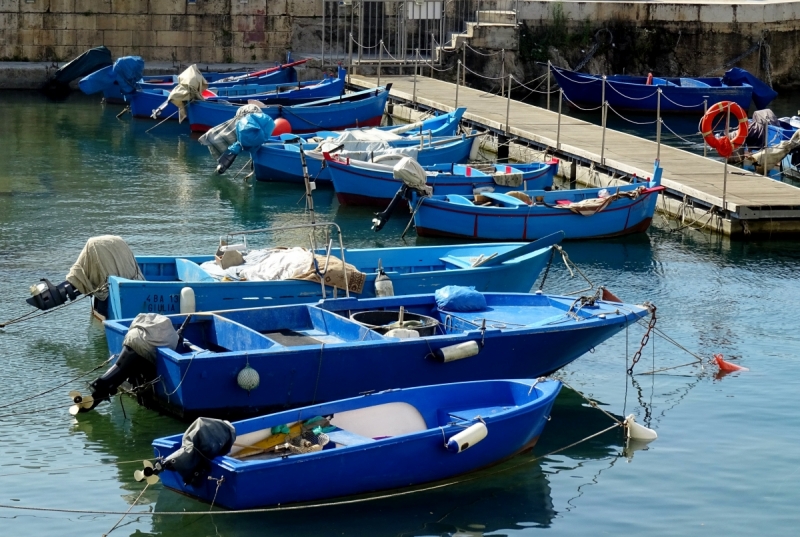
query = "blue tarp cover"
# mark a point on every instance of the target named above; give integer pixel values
(126, 72)
(252, 131)
(762, 93)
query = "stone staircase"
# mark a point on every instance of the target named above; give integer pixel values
(495, 28)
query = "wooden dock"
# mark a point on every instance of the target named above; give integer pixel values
(695, 184)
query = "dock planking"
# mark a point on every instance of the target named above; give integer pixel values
(752, 203)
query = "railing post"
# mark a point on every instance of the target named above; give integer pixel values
(508, 104)
(360, 30)
(548, 88)
(725, 167)
(380, 59)
(558, 129)
(458, 76)
(503, 73)
(414, 94)
(350, 56)
(322, 64)
(464, 62)
(705, 111)
(433, 40)
(764, 151)
(603, 115)
(658, 124)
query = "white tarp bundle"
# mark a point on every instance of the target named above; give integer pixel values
(219, 138)
(774, 154)
(264, 265)
(149, 331)
(101, 257)
(411, 173)
(191, 85)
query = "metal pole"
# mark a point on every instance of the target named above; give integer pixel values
(433, 40)
(548, 88)
(503, 73)
(658, 124)
(323, 34)
(603, 115)
(705, 111)
(416, 65)
(558, 129)
(764, 157)
(380, 59)
(458, 76)
(464, 62)
(360, 31)
(350, 56)
(725, 168)
(508, 104)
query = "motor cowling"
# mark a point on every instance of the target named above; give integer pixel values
(45, 295)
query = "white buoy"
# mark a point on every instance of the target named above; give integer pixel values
(402, 333)
(639, 432)
(467, 438)
(456, 352)
(187, 300)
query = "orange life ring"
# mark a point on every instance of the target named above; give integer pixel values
(649, 79)
(723, 144)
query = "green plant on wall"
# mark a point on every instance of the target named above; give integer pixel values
(534, 42)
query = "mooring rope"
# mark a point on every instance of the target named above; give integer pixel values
(37, 313)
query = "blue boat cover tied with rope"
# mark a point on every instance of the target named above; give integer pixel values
(459, 298)
(762, 93)
(252, 131)
(126, 72)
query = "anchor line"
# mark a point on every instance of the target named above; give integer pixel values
(645, 338)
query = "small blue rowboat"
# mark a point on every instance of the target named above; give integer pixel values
(391, 439)
(281, 162)
(286, 94)
(678, 95)
(369, 183)
(360, 109)
(419, 269)
(586, 213)
(258, 360)
(145, 102)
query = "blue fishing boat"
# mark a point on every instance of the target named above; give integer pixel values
(510, 267)
(369, 183)
(145, 102)
(359, 109)
(282, 162)
(586, 213)
(391, 439)
(258, 360)
(678, 95)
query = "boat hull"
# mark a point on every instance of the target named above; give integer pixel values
(335, 357)
(398, 461)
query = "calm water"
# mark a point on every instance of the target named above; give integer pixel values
(725, 463)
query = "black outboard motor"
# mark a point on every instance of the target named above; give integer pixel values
(129, 367)
(381, 218)
(205, 439)
(45, 295)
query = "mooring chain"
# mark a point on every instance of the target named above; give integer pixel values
(645, 338)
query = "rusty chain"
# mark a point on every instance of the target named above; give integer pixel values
(645, 338)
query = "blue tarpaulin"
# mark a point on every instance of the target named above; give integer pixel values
(125, 72)
(762, 93)
(252, 131)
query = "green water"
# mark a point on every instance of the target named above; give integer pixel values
(725, 462)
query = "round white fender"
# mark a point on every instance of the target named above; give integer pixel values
(639, 432)
(187, 300)
(456, 352)
(467, 438)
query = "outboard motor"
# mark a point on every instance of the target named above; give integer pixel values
(136, 362)
(205, 439)
(414, 178)
(45, 295)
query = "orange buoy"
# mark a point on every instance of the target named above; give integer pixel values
(649, 79)
(282, 126)
(727, 366)
(723, 144)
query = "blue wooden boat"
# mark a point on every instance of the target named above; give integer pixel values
(258, 360)
(391, 439)
(418, 269)
(586, 213)
(369, 183)
(113, 94)
(144, 102)
(286, 94)
(359, 109)
(281, 162)
(678, 95)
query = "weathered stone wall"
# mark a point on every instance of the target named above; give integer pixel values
(214, 31)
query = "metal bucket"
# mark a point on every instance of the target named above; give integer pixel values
(383, 321)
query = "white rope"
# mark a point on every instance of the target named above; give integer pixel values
(482, 76)
(630, 120)
(476, 51)
(612, 86)
(682, 105)
(581, 108)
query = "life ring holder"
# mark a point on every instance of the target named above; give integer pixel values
(723, 144)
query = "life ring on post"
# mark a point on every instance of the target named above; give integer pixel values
(723, 144)
(649, 79)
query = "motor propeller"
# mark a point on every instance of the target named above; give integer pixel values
(83, 403)
(149, 473)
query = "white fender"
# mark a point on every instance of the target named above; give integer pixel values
(639, 432)
(187, 300)
(456, 352)
(467, 438)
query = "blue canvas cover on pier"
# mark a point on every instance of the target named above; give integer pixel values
(762, 93)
